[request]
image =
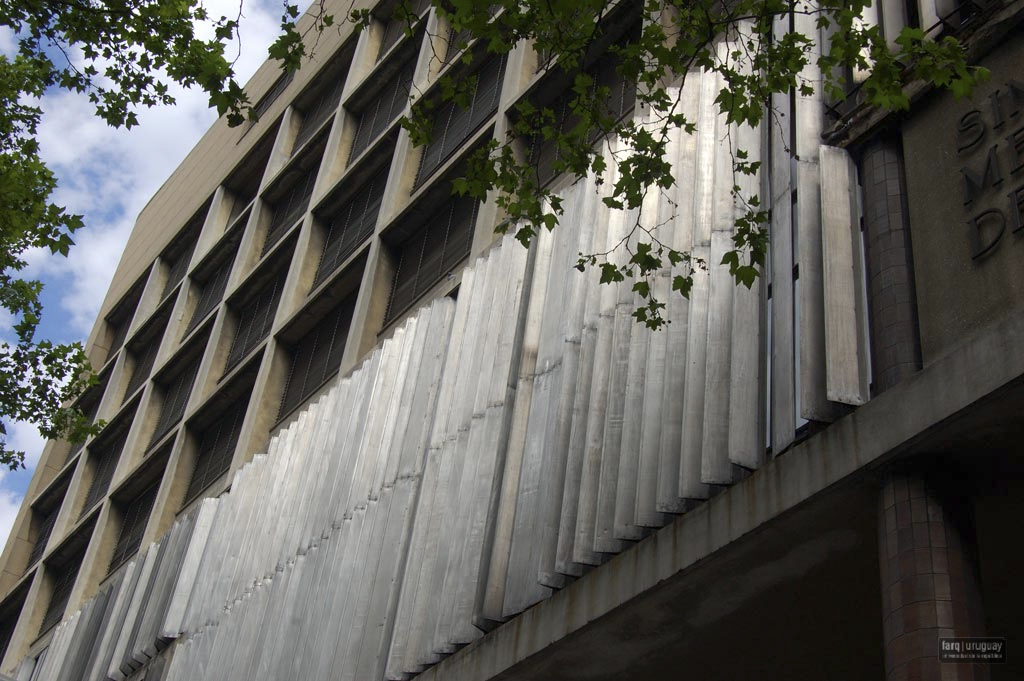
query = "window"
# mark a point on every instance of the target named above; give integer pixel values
(179, 255)
(431, 252)
(244, 180)
(351, 225)
(545, 154)
(134, 517)
(293, 192)
(279, 86)
(382, 110)
(214, 281)
(317, 356)
(216, 447)
(321, 105)
(63, 576)
(176, 390)
(104, 453)
(399, 22)
(89, 404)
(9, 613)
(453, 124)
(48, 518)
(255, 318)
(143, 349)
(120, 318)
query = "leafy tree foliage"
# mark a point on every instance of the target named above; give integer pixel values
(673, 39)
(123, 54)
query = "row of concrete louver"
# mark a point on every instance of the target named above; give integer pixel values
(496, 447)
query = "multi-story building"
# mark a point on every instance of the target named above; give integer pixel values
(352, 433)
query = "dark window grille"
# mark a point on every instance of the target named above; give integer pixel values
(545, 154)
(382, 111)
(8, 620)
(456, 41)
(263, 105)
(90, 406)
(176, 391)
(317, 356)
(291, 207)
(320, 110)
(398, 23)
(453, 124)
(121, 318)
(432, 252)
(213, 291)
(178, 267)
(143, 349)
(43, 536)
(105, 453)
(216, 448)
(64, 576)
(143, 363)
(133, 526)
(352, 225)
(255, 318)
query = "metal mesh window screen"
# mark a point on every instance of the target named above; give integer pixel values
(290, 207)
(263, 105)
(90, 406)
(213, 291)
(133, 526)
(352, 225)
(143, 349)
(432, 252)
(398, 23)
(544, 154)
(176, 391)
(64, 576)
(104, 454)
(179, 266)
(121, 318)
(317, 356)
(43, 536)
(216, 448)
(8, 620)
(453, 124)
(144, 358)
(382, 111)
(255, 319)
(320, 110)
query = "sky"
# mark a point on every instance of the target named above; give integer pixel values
(107, 176)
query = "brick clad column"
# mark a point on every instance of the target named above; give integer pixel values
(895, 346)
(929, 580)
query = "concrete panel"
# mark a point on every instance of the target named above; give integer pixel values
(845, 307)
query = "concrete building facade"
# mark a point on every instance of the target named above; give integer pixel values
(352, 433)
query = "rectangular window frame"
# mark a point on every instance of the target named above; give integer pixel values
(454, 125)
(459, 212)
(351, 224)
(310, 366)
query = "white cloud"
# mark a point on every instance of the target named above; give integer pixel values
(9, 505)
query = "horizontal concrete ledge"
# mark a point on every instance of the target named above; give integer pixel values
(896, 422)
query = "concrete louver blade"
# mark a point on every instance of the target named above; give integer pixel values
(588, 547)
(567, 333)
(587, 339)
(172, 625)
(491, 599)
